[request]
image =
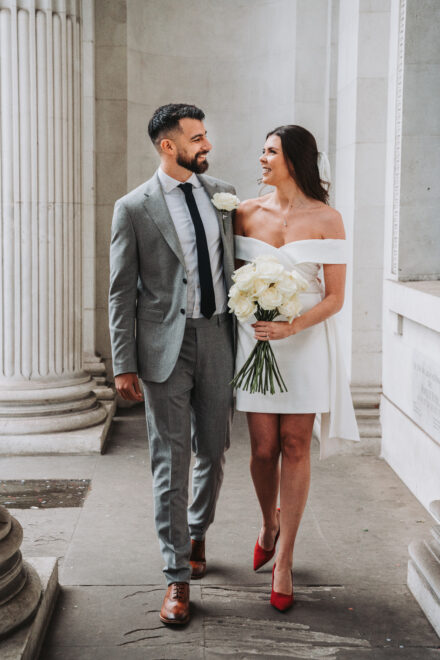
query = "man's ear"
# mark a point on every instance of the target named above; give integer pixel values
(167, 146)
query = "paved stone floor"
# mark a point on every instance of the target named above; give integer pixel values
(350, 563)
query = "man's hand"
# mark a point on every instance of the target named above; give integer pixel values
(127, 386)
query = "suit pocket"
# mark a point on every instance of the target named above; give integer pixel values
(154, 315)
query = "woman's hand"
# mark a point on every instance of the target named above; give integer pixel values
(270, 330)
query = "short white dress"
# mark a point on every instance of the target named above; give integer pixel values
(311, 362)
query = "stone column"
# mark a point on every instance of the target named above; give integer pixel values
(44, 390)
(20, 587)
(359, 194)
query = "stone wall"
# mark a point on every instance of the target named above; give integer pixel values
(360, 176)
(410, 407)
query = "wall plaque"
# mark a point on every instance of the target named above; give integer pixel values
(426, 393)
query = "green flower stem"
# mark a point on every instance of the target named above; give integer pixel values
(260, 371)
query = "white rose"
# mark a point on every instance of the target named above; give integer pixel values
(271, 298)
(290, 309)
(242, 307)
(268, 268)
(225, 201)
(234, 292)
(287, 285)
(244, 278)
(258, 287)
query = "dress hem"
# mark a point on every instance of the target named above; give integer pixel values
(284, 412)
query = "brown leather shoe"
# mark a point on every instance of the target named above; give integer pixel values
(175, 606)
(197, 559)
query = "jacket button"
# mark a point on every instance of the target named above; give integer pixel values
(182, 311)
(185, 281)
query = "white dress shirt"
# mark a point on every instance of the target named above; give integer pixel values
(181, 217)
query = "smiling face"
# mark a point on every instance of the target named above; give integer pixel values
(189, 146)
(272, 161)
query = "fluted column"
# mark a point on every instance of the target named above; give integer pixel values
(43, 387)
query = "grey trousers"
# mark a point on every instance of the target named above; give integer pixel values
(190, 410)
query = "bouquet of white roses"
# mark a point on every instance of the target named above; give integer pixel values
(264, 289)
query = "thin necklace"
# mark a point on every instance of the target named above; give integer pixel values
(291, 206)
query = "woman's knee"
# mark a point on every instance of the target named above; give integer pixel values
(268, 453)
(295, 446)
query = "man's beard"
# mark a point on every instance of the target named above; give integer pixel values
(193, 164)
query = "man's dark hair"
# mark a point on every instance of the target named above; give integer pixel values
(167, 117)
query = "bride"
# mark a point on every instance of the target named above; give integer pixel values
(294, 223)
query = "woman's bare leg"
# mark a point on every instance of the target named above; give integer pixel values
(264, 430)
(295, 437)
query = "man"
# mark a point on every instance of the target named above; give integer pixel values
(171, 261)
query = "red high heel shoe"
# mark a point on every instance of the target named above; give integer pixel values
(262, 556)
(282, 602)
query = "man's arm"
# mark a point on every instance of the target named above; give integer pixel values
(123, 295)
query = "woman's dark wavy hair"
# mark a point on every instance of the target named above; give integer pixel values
(301, 154)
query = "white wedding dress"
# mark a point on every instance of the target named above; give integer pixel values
(311, 362)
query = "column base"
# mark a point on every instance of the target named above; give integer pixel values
(91, 440)
(25, 643)
(48, 406)
(424, 572)
(93, 364)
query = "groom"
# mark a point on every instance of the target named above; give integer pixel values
(171, 260)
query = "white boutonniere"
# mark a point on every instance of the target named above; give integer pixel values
(225, 201)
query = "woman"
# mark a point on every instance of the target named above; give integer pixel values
(294, 223)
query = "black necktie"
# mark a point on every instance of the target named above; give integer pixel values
(207, 303)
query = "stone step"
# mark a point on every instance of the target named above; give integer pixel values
(433, 544)
(424, 580)
(372, 413)
(434, 508)
(435, 531)
(365, 397)
(369, 428)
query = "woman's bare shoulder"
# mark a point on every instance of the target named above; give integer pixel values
(247, 209)
(331, 223)
(251, 205)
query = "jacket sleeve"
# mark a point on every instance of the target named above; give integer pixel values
(123, 291)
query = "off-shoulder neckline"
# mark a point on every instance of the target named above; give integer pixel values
(304, 240)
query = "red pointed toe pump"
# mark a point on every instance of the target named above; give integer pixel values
(262, 556)
(281, 602)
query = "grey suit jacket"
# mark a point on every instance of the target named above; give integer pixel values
(147, 297)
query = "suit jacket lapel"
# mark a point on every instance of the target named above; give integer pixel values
(157, 210)
(211, 189)
(222, 217)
